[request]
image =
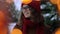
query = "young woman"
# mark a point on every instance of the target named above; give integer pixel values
(31, 21)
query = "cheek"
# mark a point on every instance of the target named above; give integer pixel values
(27, 14)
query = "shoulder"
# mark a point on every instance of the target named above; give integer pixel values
(16, 31)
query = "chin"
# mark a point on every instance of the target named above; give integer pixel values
(27, 17)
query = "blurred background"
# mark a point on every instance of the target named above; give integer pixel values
(10, 11)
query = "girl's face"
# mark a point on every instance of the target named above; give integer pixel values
(26, 11)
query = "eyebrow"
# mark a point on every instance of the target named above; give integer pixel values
(26, 7)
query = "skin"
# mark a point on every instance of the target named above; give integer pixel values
(26, 12)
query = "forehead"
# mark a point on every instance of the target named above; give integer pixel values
(25, 5)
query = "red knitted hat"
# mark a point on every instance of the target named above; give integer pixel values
(35, 5)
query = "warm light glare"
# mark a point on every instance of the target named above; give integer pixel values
(3, 27)
(16, 31)
(57, 3)
(26, 1)
(36, 0)
(58, 31)
(2, 18)
(53, 1)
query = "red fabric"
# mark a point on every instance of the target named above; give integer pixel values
(35, 5)
(26, 22)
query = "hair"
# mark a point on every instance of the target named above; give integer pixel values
(36, 17)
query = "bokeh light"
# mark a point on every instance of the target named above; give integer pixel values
(26, 1)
